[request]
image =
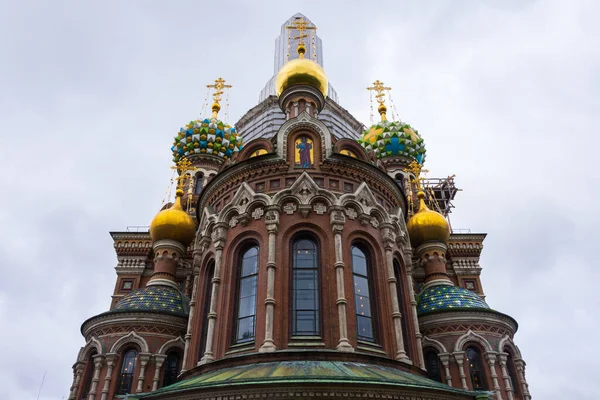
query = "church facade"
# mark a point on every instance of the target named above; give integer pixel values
(304, 256)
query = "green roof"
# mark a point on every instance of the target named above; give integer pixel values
(305, 372)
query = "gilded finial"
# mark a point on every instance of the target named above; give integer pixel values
(219, 85)
(416, 169)
(184, 165)
(301, 26)
(380, 96)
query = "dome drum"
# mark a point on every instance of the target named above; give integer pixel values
(295, 93)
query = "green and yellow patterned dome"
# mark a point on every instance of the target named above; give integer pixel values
(394, 138)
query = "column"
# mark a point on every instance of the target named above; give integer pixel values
(459, 356)
(445, 359)
(520, 365)
(388, 242)
(413, 305)
(490, 356)
(159, 359)
(337, 220)
(218, 237)
(78, 371)
(98, 363)
(502, 358)
(144, 358)
(272, 223)
(110, 363)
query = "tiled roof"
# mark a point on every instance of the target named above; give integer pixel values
(446, 297)
(303, 372)
(161, 299)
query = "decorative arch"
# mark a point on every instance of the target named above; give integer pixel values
(175, 342)
(131, 337)
(426, 341)
(505, 342)
(353, 146)
(305, 191)
(304, 121)
(92, 344)
(244, 201)
(253, 146)
(364, 201)
(471, 336)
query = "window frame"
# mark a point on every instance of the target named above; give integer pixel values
(176, 353)
(239, 278)
(319, 286)
(404, 321)
(481, 368)
(433, 351)
(370, 270)
(208, 284)
(131, 375)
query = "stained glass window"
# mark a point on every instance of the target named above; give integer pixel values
(207, 299)
(476, 369)
(125, 384)
(365, 327)
(432, 364)
(198, 184)
(347, 152)
(304, 150)
(258, 152)
(171, 368)
(305, 289)
(246, 307)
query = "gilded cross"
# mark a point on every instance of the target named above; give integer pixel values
(416, 169)
(301, 25)
(379, 88)
(219, 85)
(184, 165)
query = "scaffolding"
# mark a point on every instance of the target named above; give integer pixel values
(439, 194)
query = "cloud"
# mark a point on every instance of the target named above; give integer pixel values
(505, 95)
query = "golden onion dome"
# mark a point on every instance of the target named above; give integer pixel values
(301, 71)
(173, 223)
(427, 225)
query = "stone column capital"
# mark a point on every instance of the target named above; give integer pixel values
(444, 358)
(459, 356)
(219, 234)
(98, 360)
(337, 219)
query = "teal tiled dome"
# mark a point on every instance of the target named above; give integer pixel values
(207, 136)
(446, 297)
(162, 299)
(393, 138)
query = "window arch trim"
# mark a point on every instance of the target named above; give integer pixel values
(363, 277)
(246, 294)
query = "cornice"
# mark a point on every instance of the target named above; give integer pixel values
(141, 318)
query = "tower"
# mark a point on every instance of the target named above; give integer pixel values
(309, 264)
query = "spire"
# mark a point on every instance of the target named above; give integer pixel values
(219, 85)
(380, 97)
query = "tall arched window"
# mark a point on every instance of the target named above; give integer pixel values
(401, 305)
(246, 307)
(365, 315)
(512, 374)
(198, 184)
(171, 368)
(206, 309)
(127, 370)
(305, 289)
(476, 369)
(432, 364)
(89, 375)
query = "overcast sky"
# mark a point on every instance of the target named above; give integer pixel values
(505, 93)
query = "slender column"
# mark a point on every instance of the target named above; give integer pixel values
(110, 362)
(413, 306)
(144, 358)
(272, 223)
(502, 358)
(337, 220)
(188, 333)
(520, 364)
(459, 356)
(98, 363)
(218, 238)
(159, 359)
(388, 242)
(491, 359)
(445, 359)
(78, 371)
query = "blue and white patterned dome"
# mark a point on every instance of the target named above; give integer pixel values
(446, 297)
(161, 299)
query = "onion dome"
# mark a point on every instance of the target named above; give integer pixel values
(393, 138)
(162, 299)
(447, 297)
(301, 71)
(173, 223)
(427, 225)
(207, 136)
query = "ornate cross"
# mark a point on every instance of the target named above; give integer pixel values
(184, 165)
(219, 85)
(416, 169)
(379, 88)
(301, 25)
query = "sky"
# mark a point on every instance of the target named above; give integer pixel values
(505, 94)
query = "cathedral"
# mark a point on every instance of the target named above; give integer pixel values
(304, 256)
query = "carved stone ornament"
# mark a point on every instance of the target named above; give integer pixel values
(351, 213)
(272, 217)
(320, 208)
(258, 213)
(374, 222)
(233, 222)
(289, 208)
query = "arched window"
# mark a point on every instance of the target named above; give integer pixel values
(258, 152)
(512, 374)
(476, 369)
(206, 309)
(305, 289)
(171, 368)
(399, 178)
(432, 364)
(127, 370)
(246, 307)
(89, 375)
(401, 305)
(198, 184)
(365, 316)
